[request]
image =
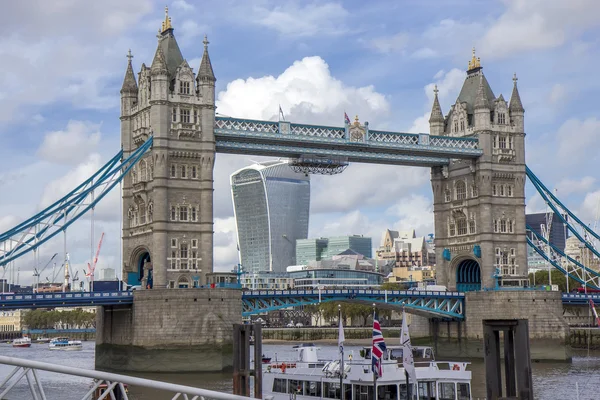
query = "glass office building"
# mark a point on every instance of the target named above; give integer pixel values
(336, 279)
(271, 205)
(323, 248)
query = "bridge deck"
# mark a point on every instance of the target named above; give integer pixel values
(285, 139)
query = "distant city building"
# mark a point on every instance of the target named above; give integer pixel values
(405, 249)
(271, 206)
(107, 274)
(412, 274)
(335, 279)
(267, 281)
(580, 253)
(535, 261)
(308, 250)
(11, 321)
(558, 231)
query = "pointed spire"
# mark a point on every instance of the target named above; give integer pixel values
(166, 24)
(129, 83)
(159, 65)
(205, 72)
(515, 99)
(475, 63)
(436, 110)
(481, 101)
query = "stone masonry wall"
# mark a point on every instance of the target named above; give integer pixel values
(548, 330)
(170, 330)
(542, 309)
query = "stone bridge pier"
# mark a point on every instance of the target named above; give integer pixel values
(169, 330)
(548, 329)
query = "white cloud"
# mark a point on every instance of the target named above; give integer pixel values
(576, 140)
(183, 5)
(225, 244)
(448, 84)
(538, 24)
(364, 186)
(567, 186)
(413, 212)
(590, 207)
(390, 44)
(299, 20)
(72, 145)
(83, 52)
(558, 94)
(306, 92)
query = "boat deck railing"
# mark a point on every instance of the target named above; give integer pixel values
(432, 364)
(115, 384)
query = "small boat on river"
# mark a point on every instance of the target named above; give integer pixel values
(63, 343)
(22, 342)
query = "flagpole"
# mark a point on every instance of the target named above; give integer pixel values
(381, 361)
(341, 357)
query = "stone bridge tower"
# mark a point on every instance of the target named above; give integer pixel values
(479, 206)
(167, 197)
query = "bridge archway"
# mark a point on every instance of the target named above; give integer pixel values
(138, 258)
(468, 276)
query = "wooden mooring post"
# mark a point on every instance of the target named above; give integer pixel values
(517, 361)
(242, 333)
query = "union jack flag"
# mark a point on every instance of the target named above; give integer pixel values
(378, 347)
(346, 119)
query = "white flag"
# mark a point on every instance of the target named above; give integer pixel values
(341, 335)
(407, 354)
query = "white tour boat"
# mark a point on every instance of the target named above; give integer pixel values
(309, 378)
(22, 342)
(63, 343)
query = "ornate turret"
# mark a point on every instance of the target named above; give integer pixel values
(166, 24)
(159, 65)
(481, 101)
(515, 99)
(129, 83)
(515, 107)
(481, 107)
(436, 119)
(205, 72)
(474, 64)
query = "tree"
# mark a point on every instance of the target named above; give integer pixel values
(558, 278)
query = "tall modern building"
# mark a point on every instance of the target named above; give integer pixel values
(271, 204)
(323, 248)
(558, 230)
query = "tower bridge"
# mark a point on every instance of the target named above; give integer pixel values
(170, 134)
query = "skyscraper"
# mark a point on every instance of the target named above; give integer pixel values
(271, 205)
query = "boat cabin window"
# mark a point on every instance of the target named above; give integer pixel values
(403, 394)
(387, 392)
(279, 385)
(331, 390)
(464, 392)
(363, 392)
(427, 390)
(447, 391)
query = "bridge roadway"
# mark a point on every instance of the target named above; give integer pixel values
(435, 304)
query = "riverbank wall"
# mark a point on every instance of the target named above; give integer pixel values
(169, 330)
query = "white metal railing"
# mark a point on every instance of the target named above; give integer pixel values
(115, 383)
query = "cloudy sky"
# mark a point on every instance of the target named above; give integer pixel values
(63, 63)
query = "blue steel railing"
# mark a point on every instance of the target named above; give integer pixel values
(441, 304)
(580, 299)
(64, 299)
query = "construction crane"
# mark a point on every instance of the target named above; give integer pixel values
(75, 279)
(92, 267)
(36, 273)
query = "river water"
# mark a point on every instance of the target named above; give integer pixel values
(550, 380)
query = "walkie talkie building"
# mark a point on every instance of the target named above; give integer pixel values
(271, 204)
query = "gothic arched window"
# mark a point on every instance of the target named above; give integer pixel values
(461, 190)
(143, 171)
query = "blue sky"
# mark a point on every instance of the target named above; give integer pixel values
(64, 61)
